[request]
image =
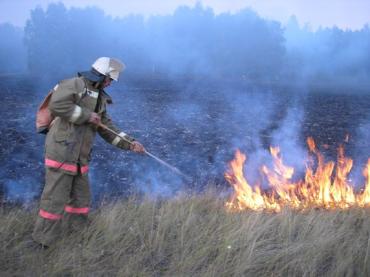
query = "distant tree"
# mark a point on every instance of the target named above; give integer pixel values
(193, 42)
(44, 39)
(129, 40)
(181, 41)
(61, 40)
(329, 55)
(248, 45)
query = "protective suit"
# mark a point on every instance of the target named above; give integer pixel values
(67, 153)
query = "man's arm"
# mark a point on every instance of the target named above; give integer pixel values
(64, 101)
(113, 139)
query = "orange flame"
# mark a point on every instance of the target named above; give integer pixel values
(325, 186)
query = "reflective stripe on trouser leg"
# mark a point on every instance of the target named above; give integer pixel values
(53, 199)
(47, 215)
(77, 208)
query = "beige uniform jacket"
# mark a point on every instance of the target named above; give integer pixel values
(70, 139)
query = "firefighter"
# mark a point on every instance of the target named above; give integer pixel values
(79, 106)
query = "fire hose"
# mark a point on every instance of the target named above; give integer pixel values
(172, 168)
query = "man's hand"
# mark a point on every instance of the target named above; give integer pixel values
(137, 147)
(95, 118)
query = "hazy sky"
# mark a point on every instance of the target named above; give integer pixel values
(351, 14)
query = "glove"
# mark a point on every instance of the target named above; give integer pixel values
(137, 147)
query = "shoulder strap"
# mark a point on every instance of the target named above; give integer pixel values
(85, 92)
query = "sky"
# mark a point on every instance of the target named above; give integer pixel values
(345, 14)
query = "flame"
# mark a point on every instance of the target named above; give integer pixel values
(325, 184)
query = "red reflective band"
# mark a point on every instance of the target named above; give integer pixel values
(47, 215)
(73, 210)
(56, 164)
(67, 167)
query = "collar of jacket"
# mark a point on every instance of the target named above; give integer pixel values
(91, 75)
(102, 92)
(106, 96)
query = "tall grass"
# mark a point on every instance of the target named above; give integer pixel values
(192, 236)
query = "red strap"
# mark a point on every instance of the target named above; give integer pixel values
(68, 167)
(73, 210)
(50, 216)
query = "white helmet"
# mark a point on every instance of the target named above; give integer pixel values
(109, 67)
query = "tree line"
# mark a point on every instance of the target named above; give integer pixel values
(193, 41)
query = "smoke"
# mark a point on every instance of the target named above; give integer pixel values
(282, 129)
(362, 148)
(197, 87)
(289, 139)
(12, 50)
(329, 58)
(192, 42)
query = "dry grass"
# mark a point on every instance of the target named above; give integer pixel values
(193, 236)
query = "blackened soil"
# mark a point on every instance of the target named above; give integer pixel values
(193, 126)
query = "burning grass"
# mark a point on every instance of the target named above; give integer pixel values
(193, 236)
(325, 184)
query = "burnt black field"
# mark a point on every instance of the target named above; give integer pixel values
(194, 125)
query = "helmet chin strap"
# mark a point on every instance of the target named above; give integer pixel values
(99, 85)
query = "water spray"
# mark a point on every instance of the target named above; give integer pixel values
(172, 168)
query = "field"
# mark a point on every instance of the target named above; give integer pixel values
(145, 224)
(192, 236)
(195, 126)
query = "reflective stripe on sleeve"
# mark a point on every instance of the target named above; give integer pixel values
(73, 210)
(50, 216)
(93, 94)
(117, 139)
(76, 113)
